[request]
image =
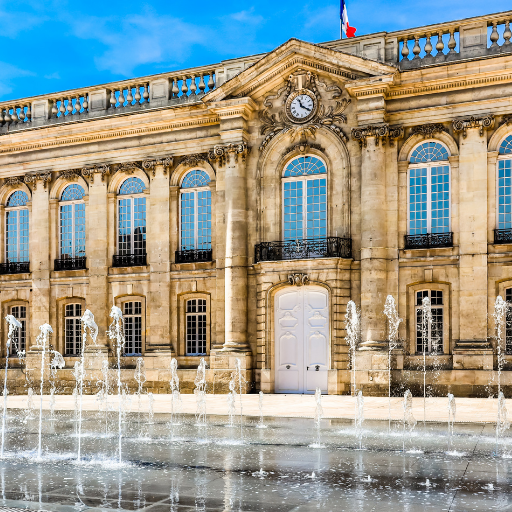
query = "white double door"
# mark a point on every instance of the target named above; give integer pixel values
(301, 339)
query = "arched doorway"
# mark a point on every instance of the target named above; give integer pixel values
(301, 339)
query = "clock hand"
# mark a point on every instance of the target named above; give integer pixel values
(305, 108)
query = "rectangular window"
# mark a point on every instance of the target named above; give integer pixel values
(196, 327)
(132, 226)
(429, 338)
(17, 236)
(132, 312)
(196, 220)
(505, 194)
(73, 329)
(20, 338)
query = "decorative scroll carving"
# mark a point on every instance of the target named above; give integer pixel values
(298, 279)
(33, 177)
(128, 167)
(303, 147)
(14, 180)
(482, 122)
(150, 165)
(220, 153)
(427, 130)
(70, 174)
(507, 119)
(89, 172)
(275, 120)
(192, 160)
(382, 133)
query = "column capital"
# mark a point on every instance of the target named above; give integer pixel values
(381, 132)
(89, 172)
(221, 152)
(194, 159)
(428, 129)
(70, 174)
(33, 177)
(151, 164)
(463, 124)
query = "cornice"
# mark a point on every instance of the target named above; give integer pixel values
(381, 132)
(239, 107)
(463, 124)
(106, 135)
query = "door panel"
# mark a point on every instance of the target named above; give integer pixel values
(302, 339)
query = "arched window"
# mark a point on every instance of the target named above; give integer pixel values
(195, 217)
(505, 185)
(429, 189)
(16, 246)
(72, 228)
(131, 238)
(305, 199)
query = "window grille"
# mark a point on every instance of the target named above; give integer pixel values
(20, 337)
(505, 186)
(72, 222)
(131, 219)
(132, 312)
(196, 327)
(303, 166)
(73, 329)
(429, 338)
(506, 146)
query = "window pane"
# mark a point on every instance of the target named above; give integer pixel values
(66, 230)
(440, 188)
(12, 235)
(187, 220)
(73, 329)
(316, 208)
(293, 210)
(417, 201)
(139, 234)
(125, 226)
(504, 194)
(79, 230)
(20, 338)
(204, 220)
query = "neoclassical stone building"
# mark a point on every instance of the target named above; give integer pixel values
(232, 211)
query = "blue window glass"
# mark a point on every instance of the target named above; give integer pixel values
(429, 190)
(131, 218)
(73, 192)
(18, 198)
(196, 212)
(504, 194)
(72, 222)
(16, 233)
(305, 200)
(132, 186)
(506, 146)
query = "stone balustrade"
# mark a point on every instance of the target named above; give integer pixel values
(434, 44)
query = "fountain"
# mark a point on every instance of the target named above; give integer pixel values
(500, 314)
(393, 325)
(104, 391)
(426, 330)
(502, 422)
(231, 397)
(151, 408)
(409, 420)
(14, 325)
(319, 412)
(353, 327)
(359, 419)
(140, 378)
(42, 341)
(116, 334)
(200, 392)
(29, 413)
(175, 395)
(56, 363)
(261, 424)
(451, 419)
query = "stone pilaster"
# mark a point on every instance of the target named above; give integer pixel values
(472, 240)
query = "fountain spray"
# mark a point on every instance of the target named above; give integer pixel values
(175, 392)
(353, 327)
(261, 424)
(393, 324)
(56, 362)
(116, 332)
(200, 392)
(451, 418)
(140, 378)
(502, 422)
(14, 325)
(359, 417)
(43, 341)
(426, 332)
(319, 412)
(409, 420)
(500, 313)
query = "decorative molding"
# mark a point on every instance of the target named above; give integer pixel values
(128, 167)
(463, 124)
(221, 152)
(506, 119)
(14, 180)
(89, 172)
(193, 160)
(150, 165)
(298, 279)
(427, 130)
(303, 147)
(70, 174)
(383, 133)
(33, 177)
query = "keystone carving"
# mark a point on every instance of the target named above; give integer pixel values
(382, 133)
(70, 174)
(298, 279)
(14, 180)
(89, 172)
(507, 119)
(464, 123)
(303, 148)
(192, 160)
(128, 167)
(150, 165)
(220, 153)
(427, 130)
(33, 177)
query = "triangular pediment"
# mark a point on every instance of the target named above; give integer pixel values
(295, 54)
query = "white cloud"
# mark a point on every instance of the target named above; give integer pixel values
(8, 73)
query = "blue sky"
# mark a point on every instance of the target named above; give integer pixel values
(54, 45)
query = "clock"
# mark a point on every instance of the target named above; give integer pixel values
(301, 106)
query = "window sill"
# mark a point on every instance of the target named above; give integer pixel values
(16, 277)
(198, 265)
(69, 273)
(114, 271)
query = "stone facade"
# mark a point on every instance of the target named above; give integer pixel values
(373, 107)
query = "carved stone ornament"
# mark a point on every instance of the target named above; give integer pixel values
(327, 110)
(427, 130)
(463, 124)
(507, 119)
(220, 153)
(14, 180)
(383, 133)
(298, 279)
(89, 172)
(304, 147)
(192, 160)
(70, 174)
(33, 177)
(150, 165)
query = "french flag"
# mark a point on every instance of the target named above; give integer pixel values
(346, 28)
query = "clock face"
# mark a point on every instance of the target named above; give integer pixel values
(301, 106)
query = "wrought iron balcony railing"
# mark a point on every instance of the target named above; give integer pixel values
(330, 247)
(503, 236)
(429, 240)
(15, 267)
(70, 263)
(129, 260)
(193, 255)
